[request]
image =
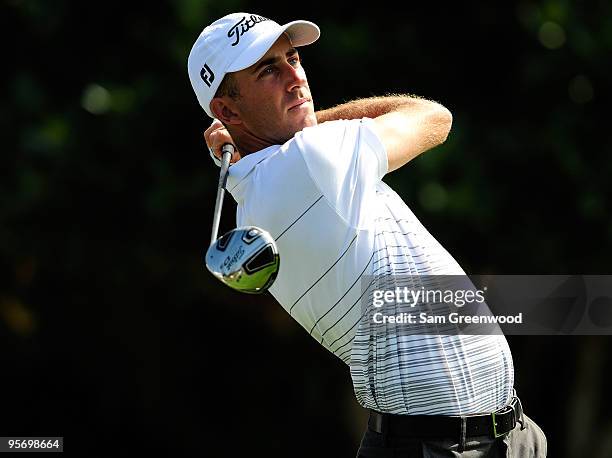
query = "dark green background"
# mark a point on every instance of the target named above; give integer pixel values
(111, 332)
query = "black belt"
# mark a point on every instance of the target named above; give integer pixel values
(494, 425)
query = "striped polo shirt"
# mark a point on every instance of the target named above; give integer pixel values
(322, 198)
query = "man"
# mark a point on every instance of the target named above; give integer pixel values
(313, 180)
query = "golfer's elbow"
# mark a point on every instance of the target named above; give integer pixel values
(405, 133)
(441, 121)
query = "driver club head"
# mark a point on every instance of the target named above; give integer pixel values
(245, 259)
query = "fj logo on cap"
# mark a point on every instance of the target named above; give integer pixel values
(207, 75)
(243, 26)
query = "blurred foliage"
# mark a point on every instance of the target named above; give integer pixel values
(109, 324)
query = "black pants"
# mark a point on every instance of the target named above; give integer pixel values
(527, 442)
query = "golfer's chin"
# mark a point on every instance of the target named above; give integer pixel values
(295, 121)
(303, 116)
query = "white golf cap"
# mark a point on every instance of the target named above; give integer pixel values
(235, 42)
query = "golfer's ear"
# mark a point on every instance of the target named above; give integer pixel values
(224, 112)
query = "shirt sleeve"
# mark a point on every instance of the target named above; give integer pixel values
(346, 160)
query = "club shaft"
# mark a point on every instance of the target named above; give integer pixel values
(228, 151)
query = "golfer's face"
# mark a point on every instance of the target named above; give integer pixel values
(275, 100)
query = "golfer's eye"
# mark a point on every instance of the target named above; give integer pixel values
(268, 70)
(294, 61)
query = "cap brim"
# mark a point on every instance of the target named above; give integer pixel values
(301, 33)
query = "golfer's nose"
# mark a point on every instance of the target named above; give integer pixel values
(296, 77)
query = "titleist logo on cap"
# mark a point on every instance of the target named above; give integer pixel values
(243, 26)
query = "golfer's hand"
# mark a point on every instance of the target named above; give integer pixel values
(215, 137)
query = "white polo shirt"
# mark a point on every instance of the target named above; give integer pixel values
(321, 196)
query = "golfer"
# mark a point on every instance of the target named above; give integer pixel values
(314, 181)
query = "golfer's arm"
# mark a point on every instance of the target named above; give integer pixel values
(406, 125)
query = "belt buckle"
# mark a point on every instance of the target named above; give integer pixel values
(495, 433)
(493, 415)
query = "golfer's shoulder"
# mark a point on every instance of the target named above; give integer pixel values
(334, 127)
(342, 134)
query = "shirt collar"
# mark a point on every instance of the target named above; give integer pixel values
(241, 169)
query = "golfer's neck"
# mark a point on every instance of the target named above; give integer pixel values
(247, 142)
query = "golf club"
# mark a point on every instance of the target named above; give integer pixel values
(246, 258)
